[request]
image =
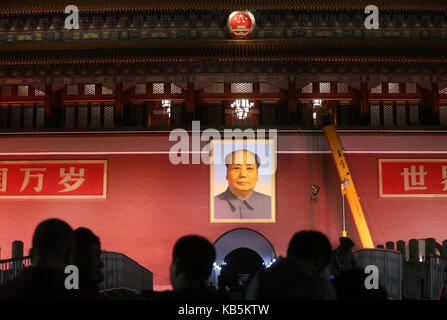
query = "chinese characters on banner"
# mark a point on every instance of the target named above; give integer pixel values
(413, 177)
(53, 179)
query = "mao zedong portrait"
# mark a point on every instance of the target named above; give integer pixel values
(240, 200)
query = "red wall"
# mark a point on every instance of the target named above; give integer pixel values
(151, 203)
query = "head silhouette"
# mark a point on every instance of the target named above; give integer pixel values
(192, 262)
(311, 248)
(53, 243)
(88, 257)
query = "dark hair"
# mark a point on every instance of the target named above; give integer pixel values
(194, 256)
(229, 158)
(85, 239)
(310, 246)
(346, 242)
(52, 238)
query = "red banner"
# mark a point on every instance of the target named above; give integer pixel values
(413, 177)
(53, 179)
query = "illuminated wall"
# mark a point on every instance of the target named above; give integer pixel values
(151, 203)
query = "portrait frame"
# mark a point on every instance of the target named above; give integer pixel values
(266, 174)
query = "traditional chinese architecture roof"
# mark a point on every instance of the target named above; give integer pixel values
(11, 6)
(224, 50)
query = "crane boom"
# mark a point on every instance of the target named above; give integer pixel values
(348, 187)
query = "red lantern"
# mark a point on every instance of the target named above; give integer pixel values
(241, 24)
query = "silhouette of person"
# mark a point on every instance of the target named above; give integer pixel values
(240, 200)
(88, 260)
(52, 250)
(299, 276)
(192, 262)
(342, 258)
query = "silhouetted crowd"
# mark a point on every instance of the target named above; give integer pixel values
(311, 270)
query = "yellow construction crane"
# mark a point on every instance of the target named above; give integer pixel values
(347, 183)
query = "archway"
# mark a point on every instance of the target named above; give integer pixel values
(239, 265)
(241, 238)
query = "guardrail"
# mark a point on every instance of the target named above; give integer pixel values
(10, 268)
(390, 265)
(120, 272)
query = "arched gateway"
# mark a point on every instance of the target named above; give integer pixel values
(241, 238)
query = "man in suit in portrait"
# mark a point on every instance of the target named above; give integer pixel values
(240, 200)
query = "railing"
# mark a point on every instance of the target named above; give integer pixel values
(390, 265)
(438, 275)
(10, 268)
(120, 272)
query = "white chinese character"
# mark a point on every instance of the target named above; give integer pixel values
(29, 175)
(444, 176)
(71, 176)
(417, 178)
(3, 179)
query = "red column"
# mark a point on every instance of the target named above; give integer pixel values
(364, 96)
(364, 101)
(48, 100)
(190, 100)
(292, 100)
(119, 99)
(435, 93)
(229, 120)
(333, 106)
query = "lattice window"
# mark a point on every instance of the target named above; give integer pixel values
(411, 88)
(241, 87)
(414, 114)
(325, 87)
(443, 91)
(388, 118)
(38, 92)
(6, 91)
(375, 115)
(28, 113)
(83, 116)
(175, 89)
(108, 116)
(159, 88)
(443, 115)
(393, 87)
(308, 88)
(23, 91)
(401, 115)
(140, 88)
(40, 117)
(95, 120)
(69, 117)
(89, 89)
(72, 90)
(265, 87)
(377, 89)
(215, 88)
(106, 90)
(342, 87)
